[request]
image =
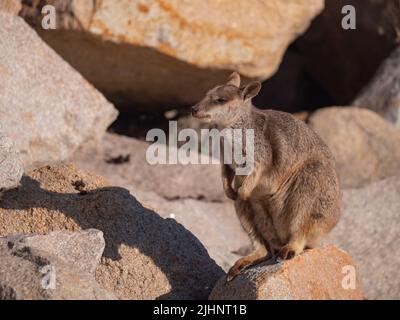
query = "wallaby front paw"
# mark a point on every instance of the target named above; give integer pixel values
(285, 253)
(234, 271)
(232, 274)
(231, 194)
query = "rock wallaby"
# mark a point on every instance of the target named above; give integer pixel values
(291, 198)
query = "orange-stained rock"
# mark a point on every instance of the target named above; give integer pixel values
(10, 6)
(166, 53)
(316, 274)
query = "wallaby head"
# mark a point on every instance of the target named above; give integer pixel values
(223, 104)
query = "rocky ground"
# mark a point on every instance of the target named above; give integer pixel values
(80, 199)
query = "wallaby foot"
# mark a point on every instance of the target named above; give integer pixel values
(285, 253)
(290, 250)
(258, 255)
(227, 178)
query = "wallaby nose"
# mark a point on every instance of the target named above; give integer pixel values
(195, 109)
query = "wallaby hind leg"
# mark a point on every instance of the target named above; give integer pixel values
(310, 210)
(260, 254)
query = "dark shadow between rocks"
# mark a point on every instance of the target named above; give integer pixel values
(124, 221)
(134, 77)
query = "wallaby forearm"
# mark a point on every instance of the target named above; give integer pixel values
(228, 176)
(249, 183)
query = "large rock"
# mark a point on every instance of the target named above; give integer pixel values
(369, 231)
(317, 274)
(10, 164)
(365, 146)
(11, 6)
(82, 250)
(122, 161)
(336, 58)
(146, 256)
(383, 93)
(46, 107)
(170, 190)
(167, 53)
(214, 224)
(58, 266)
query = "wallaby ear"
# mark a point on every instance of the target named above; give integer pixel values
(251, 90)
(234, 79)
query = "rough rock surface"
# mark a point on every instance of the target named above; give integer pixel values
(146, 256)
(123, 162)
(314, 275)
(214, 224)
(153, 53)
(369, 231)
(170, 190)
(46, 107)
(382, 95)
(30, 263)
(10, 164)
(349, 68)
(365, 146)
(11, 6)
(82, 250)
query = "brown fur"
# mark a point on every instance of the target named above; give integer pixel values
(291, 200)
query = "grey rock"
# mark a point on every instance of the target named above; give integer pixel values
(369, 231)
(10, 164)
(382, 94)
(365, 146)
(82, 250)
(47, 108)
(29, 272)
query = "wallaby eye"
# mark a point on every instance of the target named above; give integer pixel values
(220, 100)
